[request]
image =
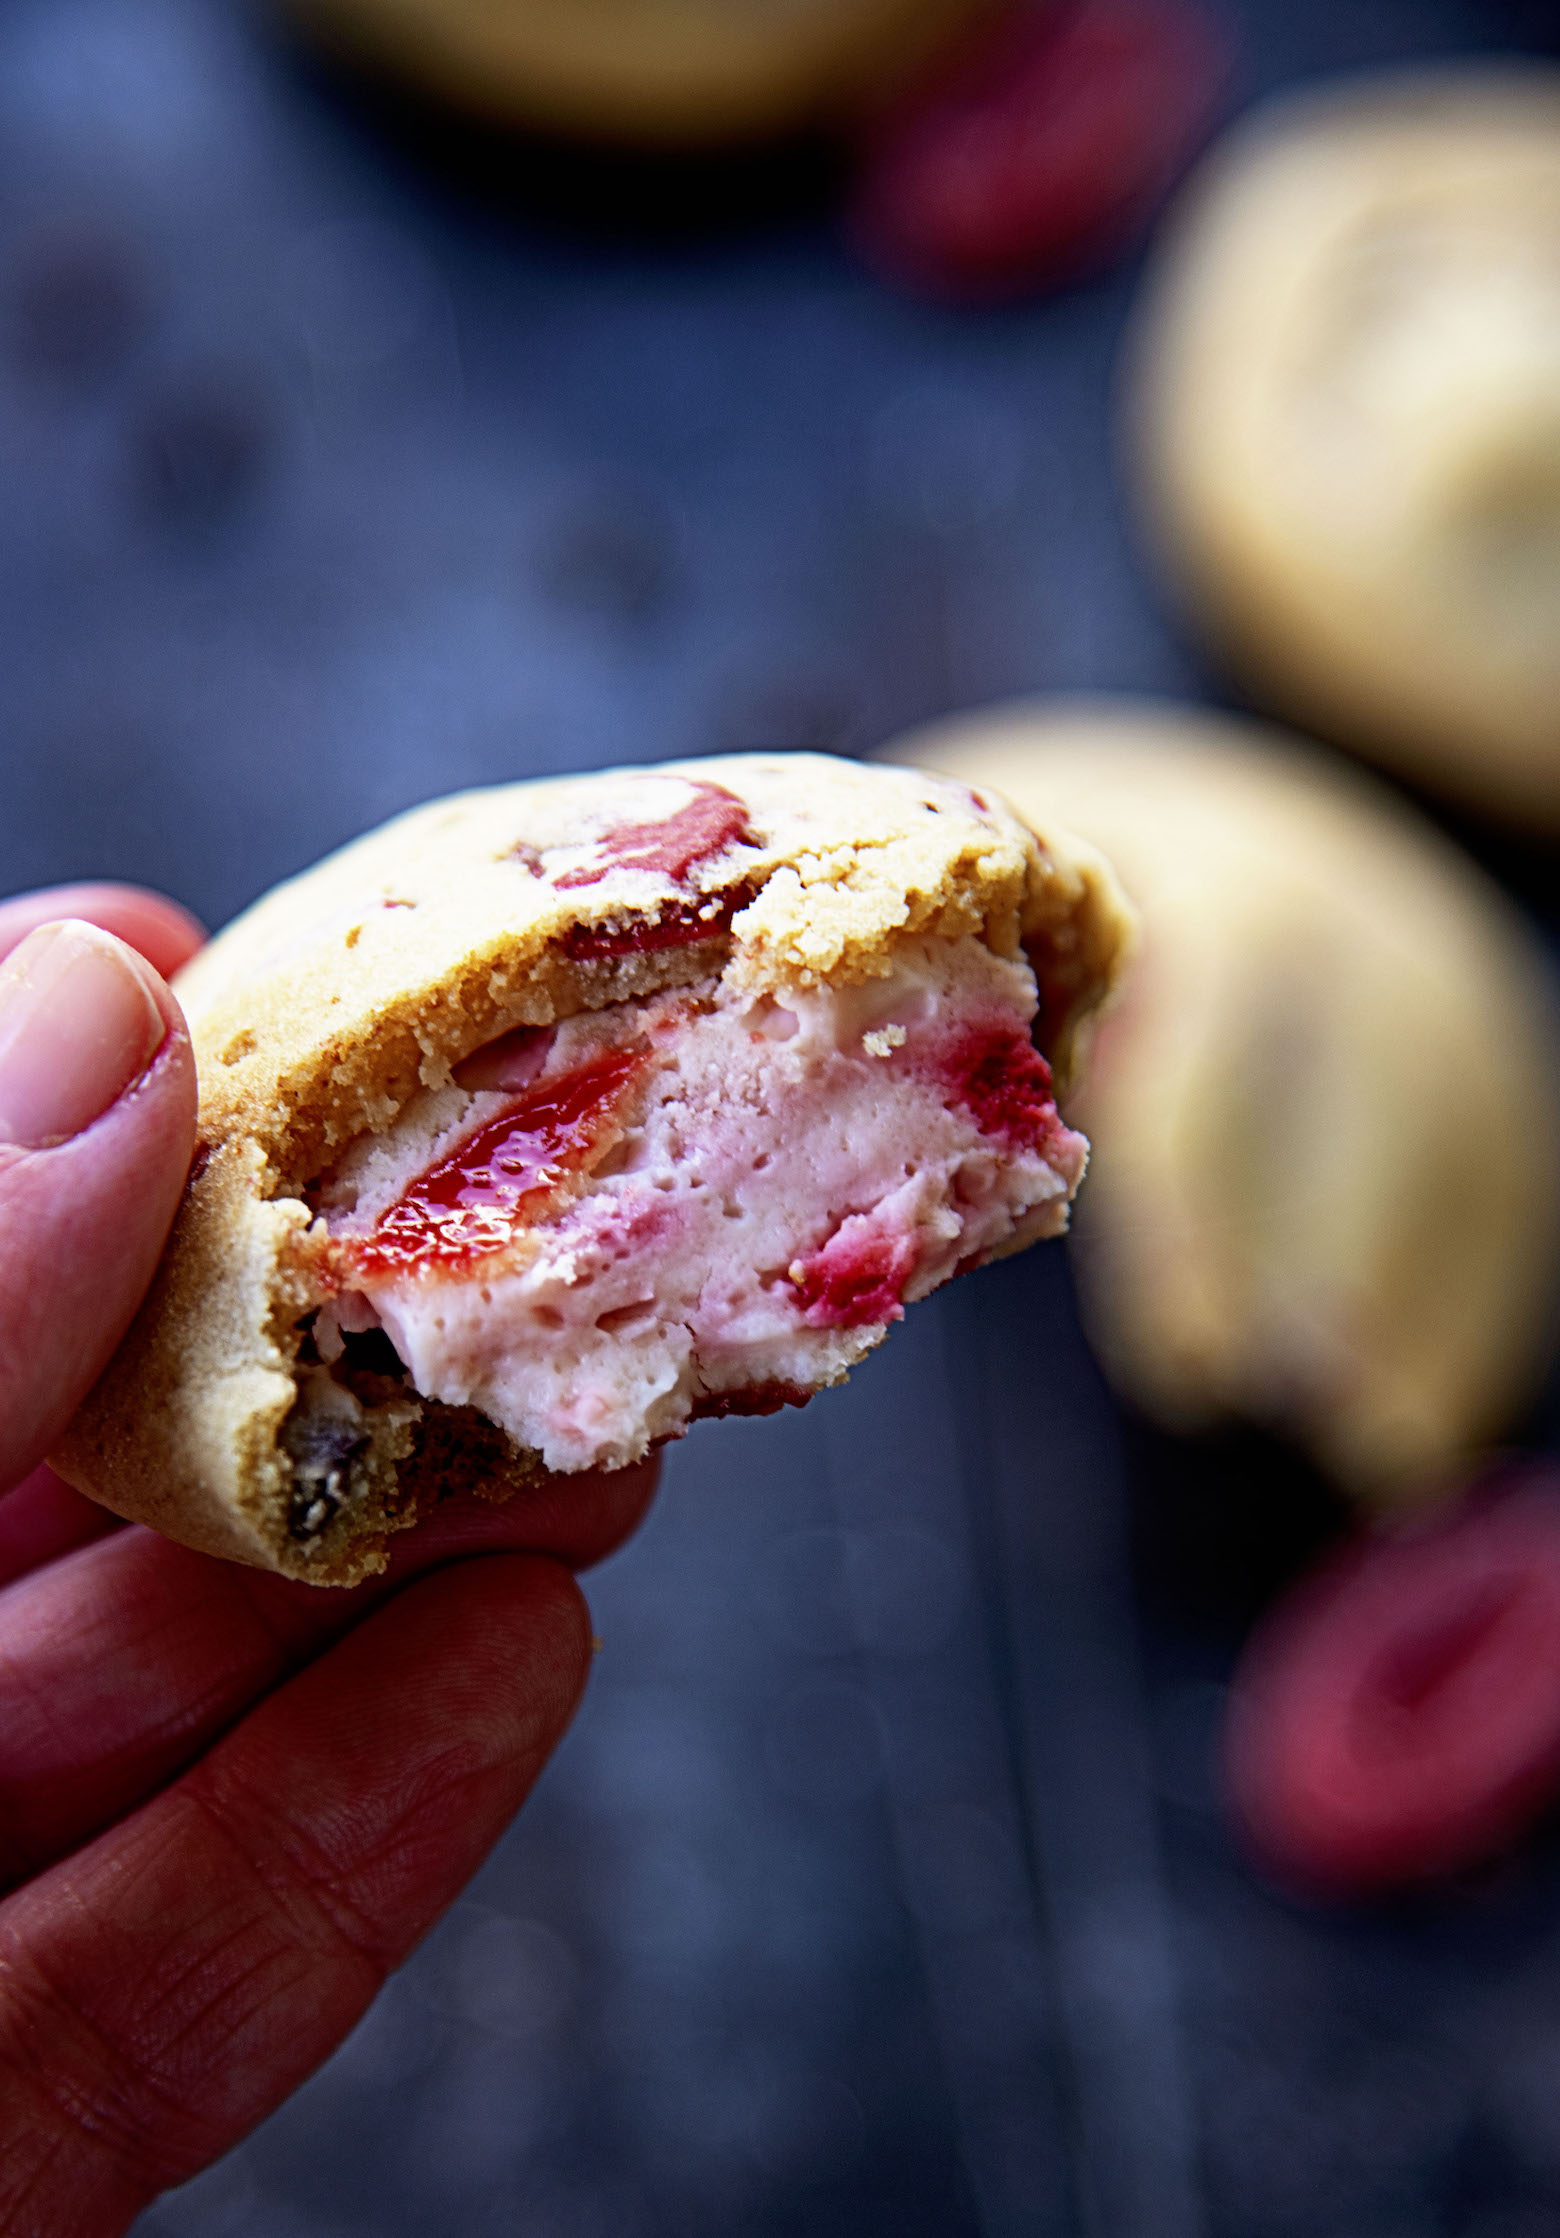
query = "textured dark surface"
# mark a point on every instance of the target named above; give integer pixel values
(880, 1888)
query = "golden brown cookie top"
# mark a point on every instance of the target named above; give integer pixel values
(654, 73)
(1347, 404)
(322, 1008)
(1323, 1191)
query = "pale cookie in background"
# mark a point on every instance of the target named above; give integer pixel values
(1325, 1186)
(646, 73)
(1346, 400)
(549, 1118)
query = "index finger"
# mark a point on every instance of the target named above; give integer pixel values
(163, 1990)
(121, 1662)
(43, 1518)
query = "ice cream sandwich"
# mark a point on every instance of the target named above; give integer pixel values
(550, 1118)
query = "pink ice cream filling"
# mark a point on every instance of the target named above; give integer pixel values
(702, 1203)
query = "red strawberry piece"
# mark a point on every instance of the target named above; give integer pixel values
(1042, 154)
(1397, 1717)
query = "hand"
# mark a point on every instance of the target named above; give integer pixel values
(229, 1804)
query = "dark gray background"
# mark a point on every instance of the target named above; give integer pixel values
(880, 1887)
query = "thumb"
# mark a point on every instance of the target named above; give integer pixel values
(97, 1126)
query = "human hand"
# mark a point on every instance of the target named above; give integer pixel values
(229, 1804)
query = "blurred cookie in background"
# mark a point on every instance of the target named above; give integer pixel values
(669, 74)
(1324, 1194)
(1346, 400)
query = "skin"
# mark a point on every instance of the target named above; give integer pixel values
(229, 1804)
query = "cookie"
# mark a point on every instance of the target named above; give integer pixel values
(1347, 422)
(651, 73)
(548, 1119)
(1326, 1122)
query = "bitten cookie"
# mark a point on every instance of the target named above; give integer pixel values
(1325, 1188)
(650, 73)
(1347, 392)
(549, 1118)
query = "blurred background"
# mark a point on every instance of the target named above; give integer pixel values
(355, 452)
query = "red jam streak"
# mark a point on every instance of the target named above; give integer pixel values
(856, 1279)
(1005, 1084)
(712, 821)
(475, 1201)
(677, 927)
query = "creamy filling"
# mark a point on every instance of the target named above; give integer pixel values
(700, 1203)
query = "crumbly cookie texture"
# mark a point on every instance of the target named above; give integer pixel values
(459, 1057)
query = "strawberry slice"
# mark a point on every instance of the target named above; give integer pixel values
(1041, 156)
(1398, 1716)
(478, 1199)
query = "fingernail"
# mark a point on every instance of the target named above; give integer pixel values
(78, 1024)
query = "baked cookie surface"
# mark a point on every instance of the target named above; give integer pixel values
(653, 73)
(1324, 1193)
(1347, 400)
(548, 1117)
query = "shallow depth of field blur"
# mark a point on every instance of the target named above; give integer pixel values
(886, 1885)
